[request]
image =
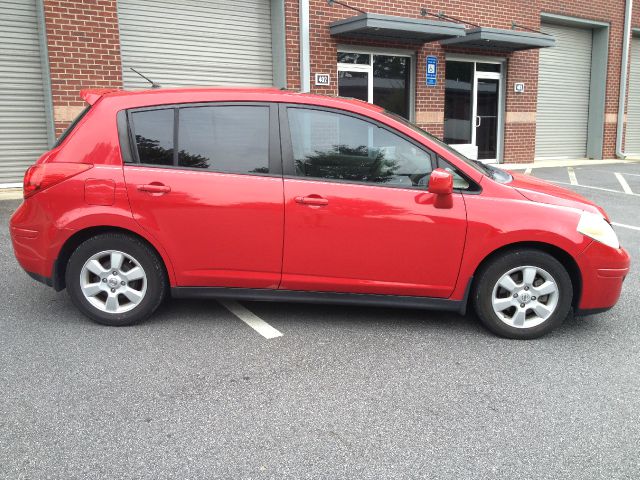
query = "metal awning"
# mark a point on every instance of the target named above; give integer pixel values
(501, 39)
(373, 26)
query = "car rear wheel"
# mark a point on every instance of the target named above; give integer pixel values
(116, 279)
(523, 294)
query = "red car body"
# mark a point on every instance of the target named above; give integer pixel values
(297, 235)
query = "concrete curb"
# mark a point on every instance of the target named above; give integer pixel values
(10, 194)
(560, 163)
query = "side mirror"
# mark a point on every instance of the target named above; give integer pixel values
(441, 182)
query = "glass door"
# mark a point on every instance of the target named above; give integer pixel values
(486, 116)
(472, 108)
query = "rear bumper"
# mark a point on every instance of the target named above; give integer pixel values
(31, 245)
(603, 272)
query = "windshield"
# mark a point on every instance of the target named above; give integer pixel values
(496, 174)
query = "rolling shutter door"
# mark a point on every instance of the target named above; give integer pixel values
(219, 42)
(23, 118)
(632, 141)
(564, 77)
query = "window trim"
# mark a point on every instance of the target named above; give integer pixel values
(288, 161)
(129, 150)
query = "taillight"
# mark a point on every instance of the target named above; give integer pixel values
(44, 175)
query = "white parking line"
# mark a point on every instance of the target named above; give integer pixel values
(572, 176)
(623, 183)
(596, 188)
(625, 226)
(251, 319)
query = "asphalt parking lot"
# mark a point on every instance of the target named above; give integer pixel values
(342, 393)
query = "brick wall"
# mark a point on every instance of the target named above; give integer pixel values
(522, 66)
(84, 52)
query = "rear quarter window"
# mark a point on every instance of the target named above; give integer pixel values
(71, 127)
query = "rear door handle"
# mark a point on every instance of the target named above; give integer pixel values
(315, 200)
(154, 188)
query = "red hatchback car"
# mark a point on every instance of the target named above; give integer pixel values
(274, 195)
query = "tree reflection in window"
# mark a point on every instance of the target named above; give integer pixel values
(154, 136)
(343, 162)
(151, 153)
(334, 146)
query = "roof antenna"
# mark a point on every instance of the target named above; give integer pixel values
(153, 84)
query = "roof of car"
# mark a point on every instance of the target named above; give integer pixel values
(93, 95)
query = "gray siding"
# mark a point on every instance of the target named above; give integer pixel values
(192, 42)
(632, 142)
(564, 78)
(23, 119)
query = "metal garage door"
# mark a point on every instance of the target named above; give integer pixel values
(192, 42)
(564, 76)
(632, 143)
(23, 119)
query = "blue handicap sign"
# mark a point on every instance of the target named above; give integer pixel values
(432, 70)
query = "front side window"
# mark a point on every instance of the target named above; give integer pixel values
(334, 146)
(224, 138)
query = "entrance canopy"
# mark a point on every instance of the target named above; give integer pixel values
(372, 26)
(501, 39)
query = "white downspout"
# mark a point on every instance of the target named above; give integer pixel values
(623, 79)
(305, 61)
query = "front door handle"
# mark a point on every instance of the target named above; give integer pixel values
(154, 188)
(478, 121)
(315, 200)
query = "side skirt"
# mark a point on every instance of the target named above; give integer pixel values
(268, 295)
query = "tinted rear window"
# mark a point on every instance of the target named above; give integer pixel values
(223, 138)
(153, 132)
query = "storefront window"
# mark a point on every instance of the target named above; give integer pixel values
(391, 83)
(384, 80)
(354, 85)
(357, 58)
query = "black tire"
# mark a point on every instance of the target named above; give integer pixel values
(488, 277)
(151, 263)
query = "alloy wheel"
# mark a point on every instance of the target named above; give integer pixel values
(113, 281)
(525, 297)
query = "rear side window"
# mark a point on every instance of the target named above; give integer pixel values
(226, 138)
(154, 136)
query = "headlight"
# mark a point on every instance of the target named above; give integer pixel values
(596, 227)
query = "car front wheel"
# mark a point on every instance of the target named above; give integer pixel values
(523, 294)
(116, 279)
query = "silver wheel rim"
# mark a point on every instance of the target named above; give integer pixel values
(113, 281)
(525, 297)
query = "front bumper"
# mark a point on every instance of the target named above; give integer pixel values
(603, 272)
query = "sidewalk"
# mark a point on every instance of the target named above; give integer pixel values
(560, 163)
(10, 193)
